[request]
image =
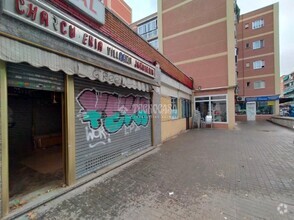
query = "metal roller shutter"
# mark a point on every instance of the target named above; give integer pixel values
(26, 76)
(111, 124)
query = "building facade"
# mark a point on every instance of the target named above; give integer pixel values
(258, 63)
(120, 8)
(75, 96)
(201, 40)
(282, 86)
(147, 28)
(288, 85)
(175, 107)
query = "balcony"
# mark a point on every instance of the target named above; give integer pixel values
(288, 90)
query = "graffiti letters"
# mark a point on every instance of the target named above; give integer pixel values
(107, 113)
(99, 134)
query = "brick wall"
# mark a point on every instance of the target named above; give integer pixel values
(118, 31)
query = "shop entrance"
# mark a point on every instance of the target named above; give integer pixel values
(35, 143)
(35, 132)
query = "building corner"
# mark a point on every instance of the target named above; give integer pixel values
(231, 62)
(4, 140)
(159, 24)
(277, 55)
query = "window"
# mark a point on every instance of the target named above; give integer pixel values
(258, 64)
(259, 85)
(212, 105)
(247, 65)
(247, 45)
(150, 26)
(257, 24)
(154, 43)
(152, 34)
(258, 44)
(246, 26)
(186, 108)
(174, 108)
(141, 29)
(247, 84)
(264, 108)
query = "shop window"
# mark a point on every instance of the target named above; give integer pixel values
(201, 98)
(259, 64)
(174, 108)
(259, 84)
(219, 111)
(240, 108)
(212, 105)
(264, 108)
(258, 44)
(186, 108)
(257, 24)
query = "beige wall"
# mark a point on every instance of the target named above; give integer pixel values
(165, 108)
(172, 127)
(4, 182)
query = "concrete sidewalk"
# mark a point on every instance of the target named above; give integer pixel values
(247, 173)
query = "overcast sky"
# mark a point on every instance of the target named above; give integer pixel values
(142, 9)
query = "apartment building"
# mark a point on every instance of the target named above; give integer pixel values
(147, 28)
(85, 87)
(201, 40)
(282, 86)
(288, 85)
(175, 98)
(258, 63)
(120, 8)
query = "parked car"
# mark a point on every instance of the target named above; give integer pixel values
(284, 112)
(291, 110)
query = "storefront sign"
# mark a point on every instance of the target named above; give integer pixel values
(46, 18)
(93, 8)
(262, 98)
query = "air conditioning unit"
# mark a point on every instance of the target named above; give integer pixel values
(240, 99)
(247, 65)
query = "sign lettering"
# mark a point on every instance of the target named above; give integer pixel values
(46, 18)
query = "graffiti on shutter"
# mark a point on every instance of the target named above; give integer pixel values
(105, 113)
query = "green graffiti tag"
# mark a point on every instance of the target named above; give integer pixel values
(112, 112)
(93, 117)
(115, 122)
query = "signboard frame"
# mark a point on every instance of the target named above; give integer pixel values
(92, 8)
(82, 35)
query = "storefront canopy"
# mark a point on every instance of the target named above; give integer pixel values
(16, 52)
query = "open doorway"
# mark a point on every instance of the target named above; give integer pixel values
(36, 158)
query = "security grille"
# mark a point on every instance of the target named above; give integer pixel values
(26, 76)
(112, 123)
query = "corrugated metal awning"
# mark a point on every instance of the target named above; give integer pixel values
(17, 52)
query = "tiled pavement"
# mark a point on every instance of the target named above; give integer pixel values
(202, 174)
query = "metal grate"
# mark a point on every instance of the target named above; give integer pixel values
(122, 124)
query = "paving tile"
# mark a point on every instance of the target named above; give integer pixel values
(203, 174)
